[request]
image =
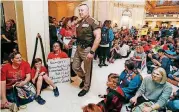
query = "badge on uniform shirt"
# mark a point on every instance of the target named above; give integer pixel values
(85, 25)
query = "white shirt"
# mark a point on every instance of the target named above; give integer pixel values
(123, 50)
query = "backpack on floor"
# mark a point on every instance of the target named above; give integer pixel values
(104, 36)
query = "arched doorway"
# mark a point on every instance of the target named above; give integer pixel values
(126, 20)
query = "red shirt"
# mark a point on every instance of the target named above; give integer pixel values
(66, 33)
(73, 29)
(147, 48)
(62, 54)
(42, 69)
(134, 41)
(154, 42)
(11, 75)
(165, 47)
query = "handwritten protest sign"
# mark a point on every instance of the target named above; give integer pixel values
(59, 70)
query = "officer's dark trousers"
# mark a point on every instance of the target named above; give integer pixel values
(102, 54)
(79, 57)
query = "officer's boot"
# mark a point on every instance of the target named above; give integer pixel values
(100, 62)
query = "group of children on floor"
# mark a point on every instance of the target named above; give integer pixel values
(149, 50)
(161, 56)
(153, 93)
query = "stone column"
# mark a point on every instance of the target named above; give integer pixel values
(36, 21)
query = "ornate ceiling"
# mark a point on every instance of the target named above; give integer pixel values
(162, 6)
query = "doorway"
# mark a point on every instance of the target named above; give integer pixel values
(12, 30)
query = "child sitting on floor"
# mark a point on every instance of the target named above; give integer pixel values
(114, 53)
(41, 80)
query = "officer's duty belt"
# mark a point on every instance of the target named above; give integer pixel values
(84, 44)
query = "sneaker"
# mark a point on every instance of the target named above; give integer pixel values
(56, 92)
(40, 100)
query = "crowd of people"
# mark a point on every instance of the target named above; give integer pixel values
(159, 50)
(18, 73)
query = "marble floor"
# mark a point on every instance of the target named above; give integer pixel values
(68, 101)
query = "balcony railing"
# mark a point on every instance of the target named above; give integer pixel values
(174, 16)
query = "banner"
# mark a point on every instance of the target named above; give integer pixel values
(59, 70)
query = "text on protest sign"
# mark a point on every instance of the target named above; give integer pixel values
(59, 70)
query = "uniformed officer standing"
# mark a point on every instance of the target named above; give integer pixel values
(88, 39)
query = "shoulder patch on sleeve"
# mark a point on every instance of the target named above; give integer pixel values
(96, 22)
(90, 20)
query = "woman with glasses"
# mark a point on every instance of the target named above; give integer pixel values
(155, 89)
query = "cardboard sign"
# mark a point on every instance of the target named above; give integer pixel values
(144, 31)
(59, 70)
(156, 29)
(143, 64)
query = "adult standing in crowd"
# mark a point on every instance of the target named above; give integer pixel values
(74, 21)
(52, 33)
(88, 39)
(106, 35)
(8, 41)
(111, 38)
(66, 34)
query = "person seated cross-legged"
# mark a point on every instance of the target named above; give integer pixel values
(173, 103)
(153, 89)
(14, 74)
(41, 80)
(121, 88)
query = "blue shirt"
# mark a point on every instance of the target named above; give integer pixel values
(128, 84)
(165, 64)
(111, 35)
